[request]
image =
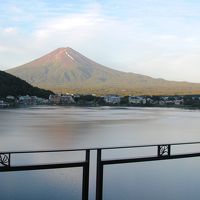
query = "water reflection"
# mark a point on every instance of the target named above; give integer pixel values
(63, 127)
(167, 180)
(56, 184)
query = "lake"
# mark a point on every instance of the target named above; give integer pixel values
(53, 127)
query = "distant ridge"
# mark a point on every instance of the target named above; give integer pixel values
(66, 70)
(11, 85)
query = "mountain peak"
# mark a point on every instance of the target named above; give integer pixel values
(61, 50)
(63, 56)
(64, 49)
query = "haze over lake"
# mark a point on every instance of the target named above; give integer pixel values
(53, 127)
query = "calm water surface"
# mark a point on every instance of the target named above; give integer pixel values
(38, 128)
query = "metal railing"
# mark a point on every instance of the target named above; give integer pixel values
(7, 166)
(160, 152)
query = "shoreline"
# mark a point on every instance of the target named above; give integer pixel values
(96, 106)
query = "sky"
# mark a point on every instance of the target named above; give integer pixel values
(158, 38)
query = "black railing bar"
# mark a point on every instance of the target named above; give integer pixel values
(51, 163)
(96, 148)
(44, 151)
(153, 158)
(42, 166)
(86, 176)
(150, 145)
(99, 176)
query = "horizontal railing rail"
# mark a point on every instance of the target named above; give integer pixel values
(103, 148)
(160, 152)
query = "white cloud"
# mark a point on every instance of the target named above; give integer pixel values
(174, 66)
(9, 30)
(141, 38)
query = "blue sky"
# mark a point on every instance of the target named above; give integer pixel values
(159, 38)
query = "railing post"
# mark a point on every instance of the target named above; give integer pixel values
(99, 178)
(9, 159)
(85, 184)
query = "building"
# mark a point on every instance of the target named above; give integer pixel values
(54, 98)
(3, 104)
(112, 99)
(66, 99)
(178, 102)
(137, 100)
(26, 100)
(10, 98)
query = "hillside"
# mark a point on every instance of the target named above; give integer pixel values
(11, 85)
(66, 70)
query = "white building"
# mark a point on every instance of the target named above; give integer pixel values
(54, 98)
(26, 100)
(10, 98)
(112, 99)
(3, 104)
(136, 100)
(178, 101)
(66, 99)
